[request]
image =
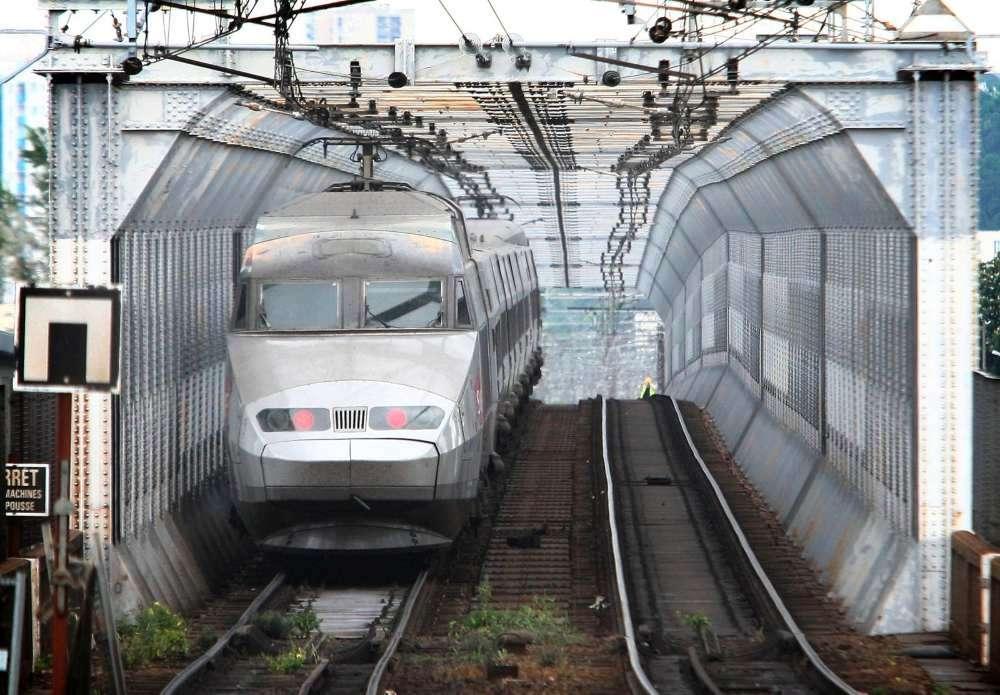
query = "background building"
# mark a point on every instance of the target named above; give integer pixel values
(376, 23)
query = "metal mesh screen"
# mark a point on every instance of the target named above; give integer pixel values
(744, 295)
(177, 293)
(678, 355)
(869, 378)
(692, 315)
(714, 298)
(792, 331)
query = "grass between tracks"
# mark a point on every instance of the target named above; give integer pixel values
(481, 635)
(298, 626)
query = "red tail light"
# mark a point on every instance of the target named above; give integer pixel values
(405, 417)
(294, 419)
(396, 418)
(303, 419)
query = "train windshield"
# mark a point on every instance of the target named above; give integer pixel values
(403, 304)
(298, 306)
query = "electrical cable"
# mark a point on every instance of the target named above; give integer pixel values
(464, 37)
(495, 14)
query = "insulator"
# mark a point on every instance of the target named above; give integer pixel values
(660, 31)
(611, 78)
(733, 70)
(397, 80)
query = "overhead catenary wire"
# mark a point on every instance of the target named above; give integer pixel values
(465, 38)
(497, 15)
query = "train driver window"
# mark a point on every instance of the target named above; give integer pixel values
(298, 306)
(403, 304)
(462, 317)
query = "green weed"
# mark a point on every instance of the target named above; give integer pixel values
(154, 634)
(287, 662)
(476, 636)
(304, 622)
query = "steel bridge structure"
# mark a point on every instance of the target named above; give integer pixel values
(811, 257)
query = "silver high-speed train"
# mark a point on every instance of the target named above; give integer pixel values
(380, 343)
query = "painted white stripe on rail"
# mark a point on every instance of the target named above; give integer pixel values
(623, 605)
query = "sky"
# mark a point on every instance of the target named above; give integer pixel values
(530, 20)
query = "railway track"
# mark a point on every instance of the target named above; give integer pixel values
(542, 544)
(704, 614)
(353, 621)
(869, 664)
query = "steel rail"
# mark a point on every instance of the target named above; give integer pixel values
(183, 679)
(375, 680)
(315, 677)
(623, 603)
(832, 679)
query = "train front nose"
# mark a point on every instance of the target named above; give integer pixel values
(338, 469)
(342, 469)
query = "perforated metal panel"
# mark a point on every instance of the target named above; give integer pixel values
(792, 331)
(744, 297)
(869, 352)
(177, 288)
(714, 298)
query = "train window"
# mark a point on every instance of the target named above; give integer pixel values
(403, 304)
(501, 282)
(462, 318)
(298, 306)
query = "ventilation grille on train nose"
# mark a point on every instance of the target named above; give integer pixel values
(350, 419)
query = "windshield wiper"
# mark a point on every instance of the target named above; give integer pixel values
(262, 317)
(369, 312)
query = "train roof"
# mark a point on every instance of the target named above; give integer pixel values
(333, 254)
(409, 212)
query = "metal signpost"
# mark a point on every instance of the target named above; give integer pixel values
(67, 341)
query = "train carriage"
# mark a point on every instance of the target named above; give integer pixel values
(379, 344)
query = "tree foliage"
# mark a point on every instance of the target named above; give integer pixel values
(24, 238)
(989, 310)
(989, 165)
